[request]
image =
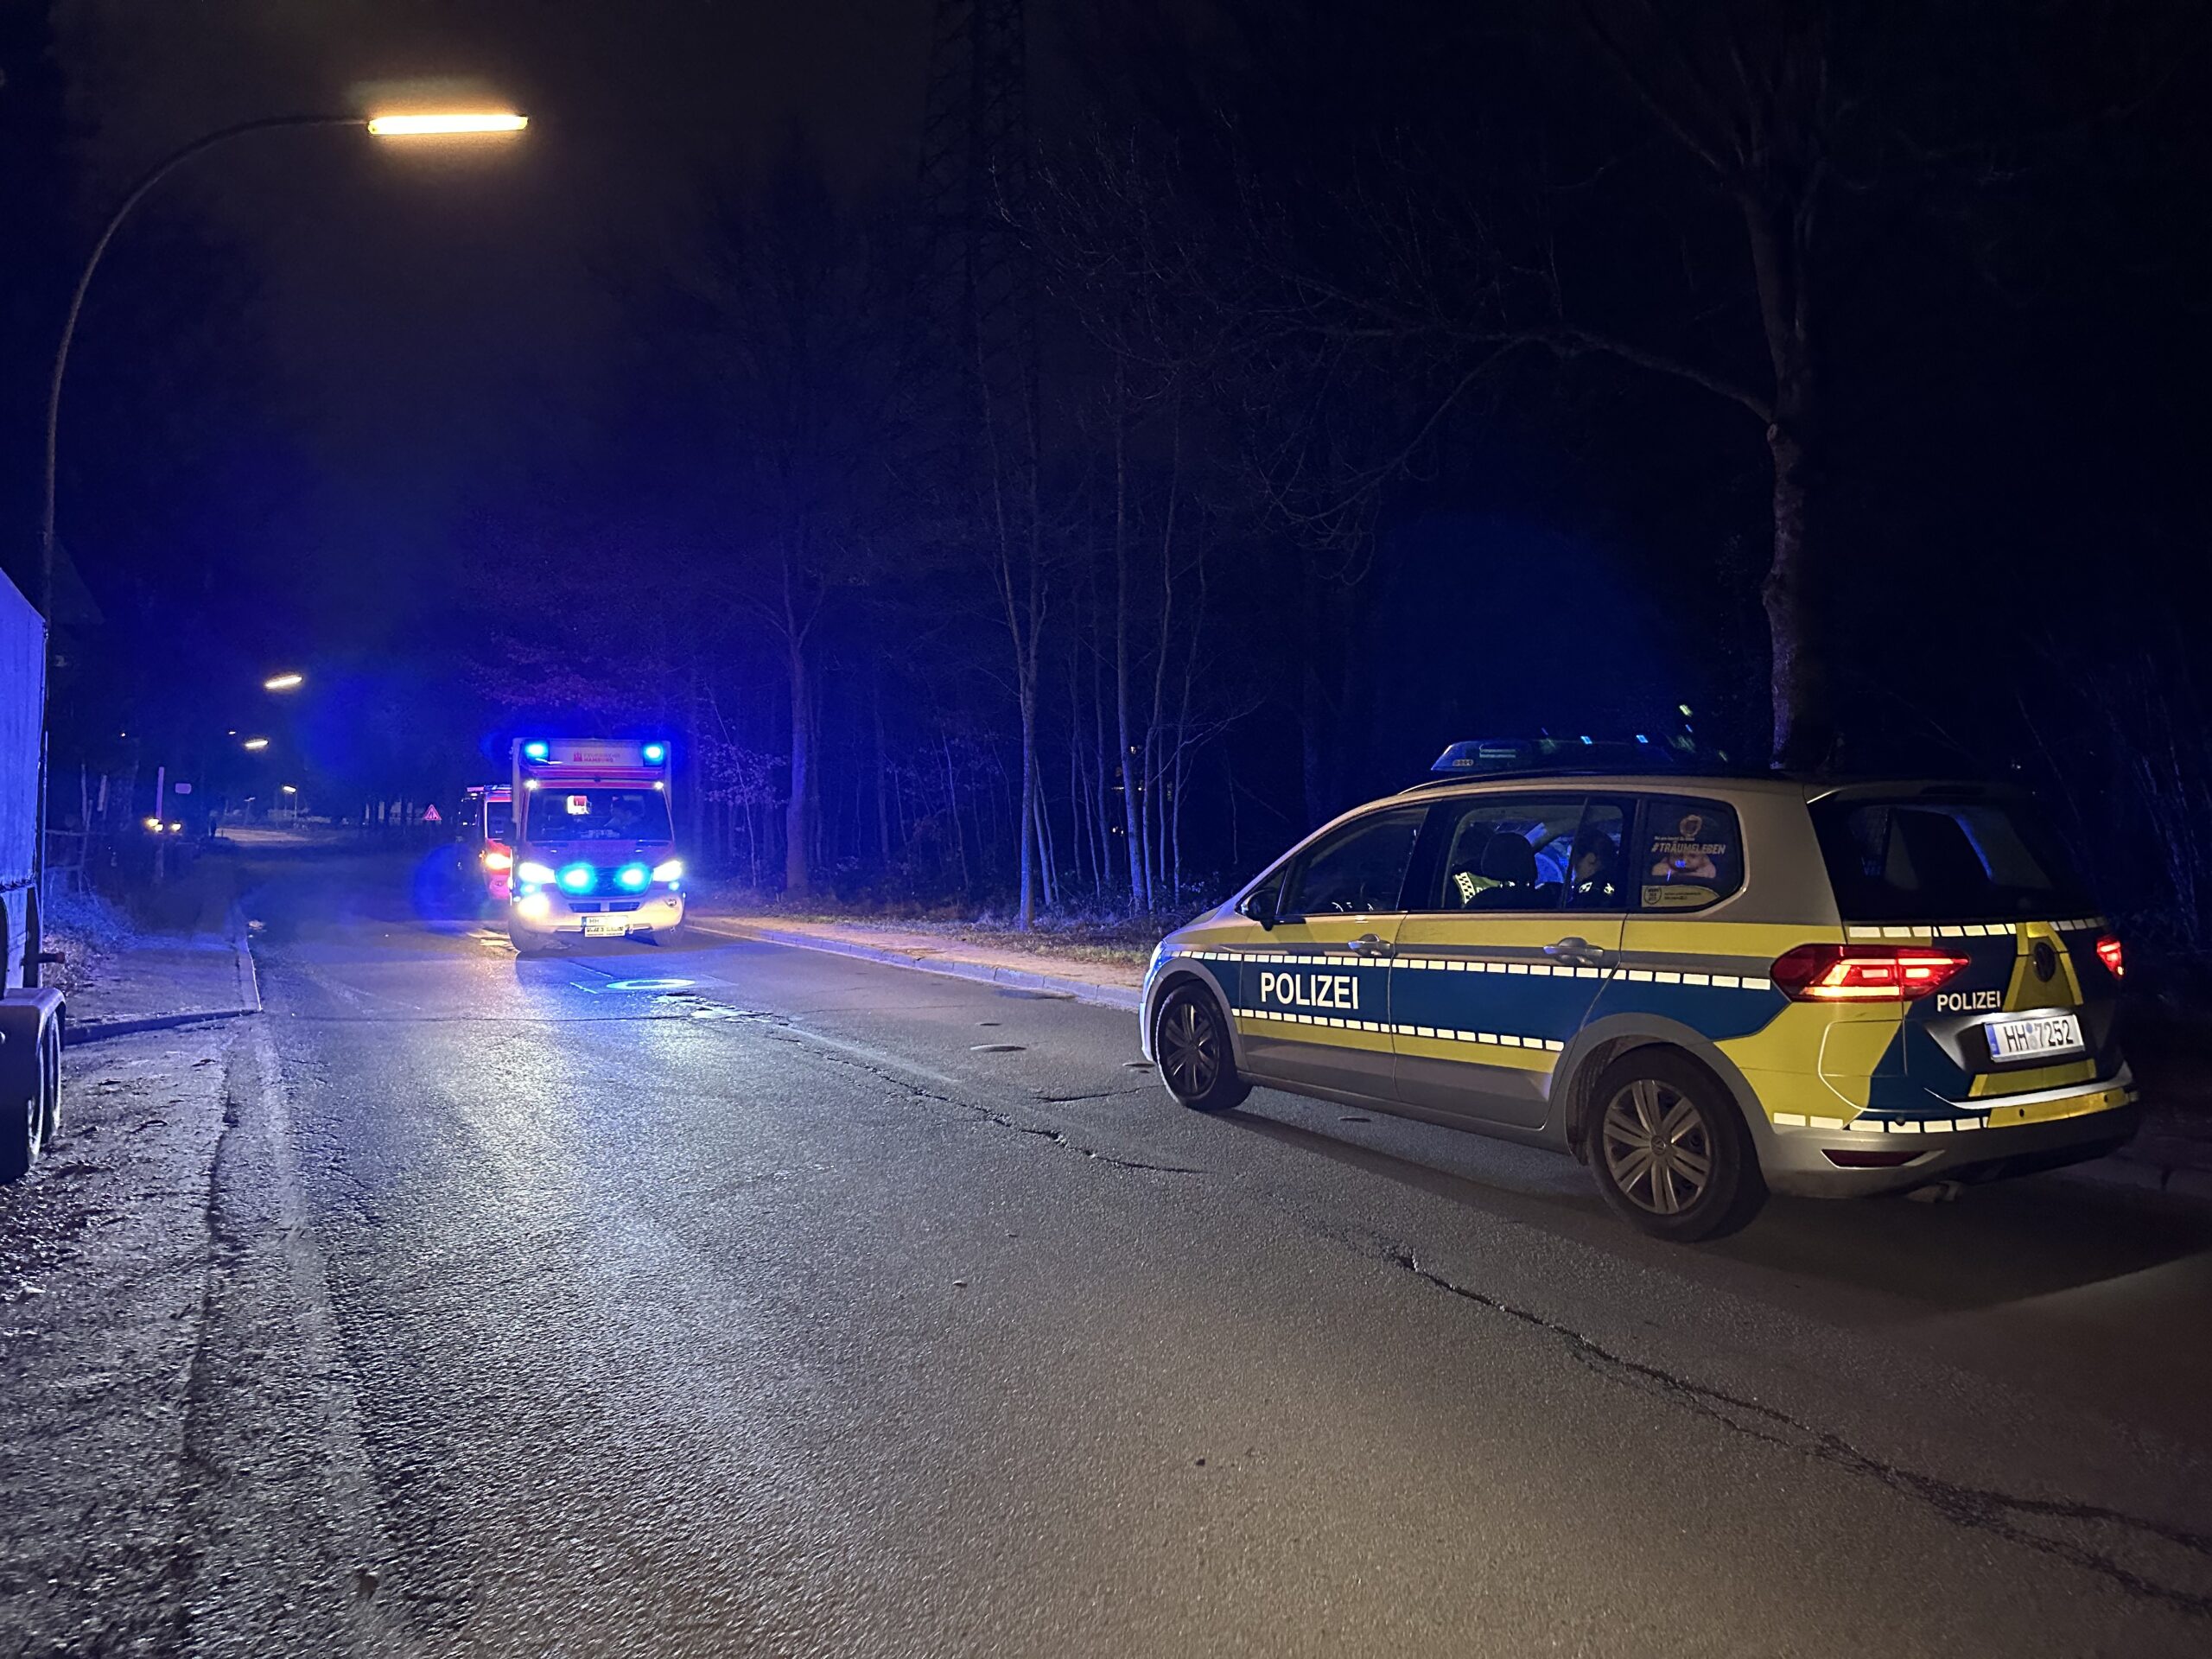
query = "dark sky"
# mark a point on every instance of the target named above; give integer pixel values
(429, 315)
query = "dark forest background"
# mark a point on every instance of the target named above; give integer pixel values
(1065, 499)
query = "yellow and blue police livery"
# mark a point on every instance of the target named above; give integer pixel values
(1704, 987)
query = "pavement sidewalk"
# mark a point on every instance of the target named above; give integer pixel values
(1109, 983)
(163, 979)
(2173, 1154)
(108, 1252)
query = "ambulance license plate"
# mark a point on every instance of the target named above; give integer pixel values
(2036, 1038)
(600, 927)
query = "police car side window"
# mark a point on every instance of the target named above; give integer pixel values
(1360, 869)
(1521, 852)
(1689, 854)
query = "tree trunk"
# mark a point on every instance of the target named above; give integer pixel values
(1795, 592)
(1804, 714)
(1132, 824)
(1315, 714)
(799, 813)
(882, 774)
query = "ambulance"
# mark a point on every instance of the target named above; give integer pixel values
(594, 847)
(1704, 987)
(487, 837)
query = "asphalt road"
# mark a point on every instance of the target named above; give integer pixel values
(721, 1297)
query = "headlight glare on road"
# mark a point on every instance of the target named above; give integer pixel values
(577, 878)
(633, 877)
(668, 869)
(530, 870)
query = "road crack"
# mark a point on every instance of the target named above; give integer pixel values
(848, 1054)
(2000, 1514)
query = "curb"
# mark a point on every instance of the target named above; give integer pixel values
(98, 1030)
(234, 923)
(1127, 997)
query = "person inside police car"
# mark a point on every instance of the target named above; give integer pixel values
(1593, 874)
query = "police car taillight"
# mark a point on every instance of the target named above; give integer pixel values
(1863, 973)
(2109, 952)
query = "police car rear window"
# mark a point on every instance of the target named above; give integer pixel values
(1921, 859)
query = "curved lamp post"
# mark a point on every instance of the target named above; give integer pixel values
(444, 124)
(451, 124)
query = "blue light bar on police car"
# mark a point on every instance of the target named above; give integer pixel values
(1479, 756)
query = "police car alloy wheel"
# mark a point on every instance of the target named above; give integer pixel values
(1190, 1042)
(1670, 1151)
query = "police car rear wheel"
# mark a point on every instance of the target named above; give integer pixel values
(1191, 1041)
(1670, 1151)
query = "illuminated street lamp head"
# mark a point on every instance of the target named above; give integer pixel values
(256, 744)
(447, 124)
(288, 789)
(286, 681)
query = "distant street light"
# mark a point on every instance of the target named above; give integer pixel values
(284, 683)
(287, 789)
(256, 744)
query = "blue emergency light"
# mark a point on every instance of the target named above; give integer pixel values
(536, 749)
(1578, 753)
(577, 878)
(630, 878)
(655, 753)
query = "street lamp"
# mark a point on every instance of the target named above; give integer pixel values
(284, 683)
(255, 745)
(460, 124)
(450, 124)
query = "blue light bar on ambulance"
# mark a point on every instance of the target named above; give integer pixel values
(536, 749)
(655, 753)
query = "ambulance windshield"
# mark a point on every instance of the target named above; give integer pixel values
(598, 815)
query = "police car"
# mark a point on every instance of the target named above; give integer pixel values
(1706, 988)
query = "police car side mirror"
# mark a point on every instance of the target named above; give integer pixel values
(1259, 907)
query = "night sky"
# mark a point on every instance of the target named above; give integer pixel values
(405, 418)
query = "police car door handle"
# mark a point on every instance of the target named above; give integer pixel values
(1367, 945)
(1580, 951)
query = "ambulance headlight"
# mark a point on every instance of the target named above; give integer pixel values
(534, 906)
(631, 878)
(530, 870)
(668, 869)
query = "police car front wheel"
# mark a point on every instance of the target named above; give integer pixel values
(1190, 1042)
(1670, 1151)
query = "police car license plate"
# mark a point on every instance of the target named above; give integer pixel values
(2034, 1039)
(603, 926)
